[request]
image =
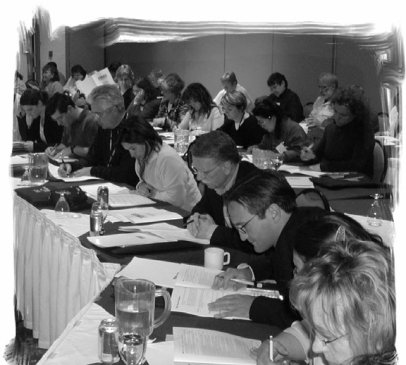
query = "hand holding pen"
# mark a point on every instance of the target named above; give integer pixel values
(307, 154)
(201, 225)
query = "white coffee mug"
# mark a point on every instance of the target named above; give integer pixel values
(215, 258)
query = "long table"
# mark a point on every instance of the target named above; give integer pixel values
(58, 274)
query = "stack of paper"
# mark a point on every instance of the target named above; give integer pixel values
(53, 170)
(144, 215)
(299, 182)
(199, 346)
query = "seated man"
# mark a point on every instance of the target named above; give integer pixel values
(230, 83)
(217, 164)
(263, 209)
(288, 101)
(80, 127)
(107, 158)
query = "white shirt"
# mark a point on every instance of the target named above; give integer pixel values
(170, 176)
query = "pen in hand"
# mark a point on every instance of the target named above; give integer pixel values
(271, 348)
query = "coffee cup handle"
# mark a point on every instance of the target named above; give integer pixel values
(167, 310)
(226, 258)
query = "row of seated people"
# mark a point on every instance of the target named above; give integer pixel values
(242, 203)
(347, 144)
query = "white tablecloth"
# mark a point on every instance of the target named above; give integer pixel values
(55, 276)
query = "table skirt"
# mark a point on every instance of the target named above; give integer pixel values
(55, 276)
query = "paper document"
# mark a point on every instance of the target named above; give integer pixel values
(196, 345)
(128, 200)
(127, 239)
(65, 159)
(304, 170)
(172, 233)
(53, 170)
(299, 182)
(144, 215)
(19, 160)
(163, 273)
(96, 78)
(91, 190)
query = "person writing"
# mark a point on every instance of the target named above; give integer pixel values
(106, 158)
(347, 144)
(347, 299)
(217, 164)
(162, 173)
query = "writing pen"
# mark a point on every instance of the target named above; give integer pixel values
(258, 285)
(271, 348)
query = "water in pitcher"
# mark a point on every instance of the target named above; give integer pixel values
(135, 319)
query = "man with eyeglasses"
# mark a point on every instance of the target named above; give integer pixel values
(216, 163)
(263, 210)
(106, 158)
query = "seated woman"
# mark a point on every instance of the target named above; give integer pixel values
(145, 103)
(172, 108)
(162, 172)
(78, 73)
(239, 124)
(36, 127)
(348, 143)
(80, 127)
(347, 299)
(50, 79)
(124, 77)
(284, 135)
(203, 114)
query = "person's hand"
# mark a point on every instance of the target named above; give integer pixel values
(145, 190)
(29, 146)
(85, 171)
(50, 151)
(261, 354)
(234, 305)
(158, 122)
(307, 154)
(64, 169)
(139, 97)
(64, 152)
(223, 280)
(202, 225)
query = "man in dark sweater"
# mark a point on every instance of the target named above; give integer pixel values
(288, 101)
(264, 211)
(217, 165)
(106, 157)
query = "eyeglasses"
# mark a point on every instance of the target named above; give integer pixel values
(104, 112)
(242, 228)
(324, 87)
(327, 342)
(203, 173)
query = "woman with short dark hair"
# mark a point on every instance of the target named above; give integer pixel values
(50, 78)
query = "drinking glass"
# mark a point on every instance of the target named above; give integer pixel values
(62, 206)
(25, 178)
(39, 168)
(181, 140)
(135, 313)
(375, 213)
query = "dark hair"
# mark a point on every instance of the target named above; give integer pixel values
(149, 90)
(310, 236)
(32, 84)
(18, 75)
(259, 191)
(59, 102)
(268, 109)
(229, 77)
(199, 93)
(51, 66)
(78, 69)
(354, 100)
(217, 145)
(136, 130)
(114, 66)
(32, 97)
(277, 78)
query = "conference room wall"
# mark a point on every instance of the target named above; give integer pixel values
(253, 57)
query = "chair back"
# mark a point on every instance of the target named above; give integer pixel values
(380, 165)
(312, 198)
